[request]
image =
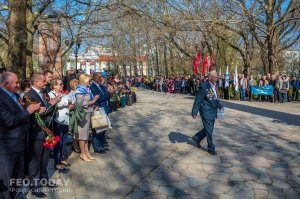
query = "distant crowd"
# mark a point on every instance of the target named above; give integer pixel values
(285, 88)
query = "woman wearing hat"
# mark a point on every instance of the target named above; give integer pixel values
(86, 99)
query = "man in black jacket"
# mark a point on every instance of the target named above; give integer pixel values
(14, 127)
(207, 104)
(38, 156)
(99, 141)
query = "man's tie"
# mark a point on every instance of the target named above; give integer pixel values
(43, 98)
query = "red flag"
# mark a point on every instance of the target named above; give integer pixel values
(211, 63)
(196, 62)
(204, 66)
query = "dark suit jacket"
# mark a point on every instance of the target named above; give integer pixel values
(36, 132)
(14, 124)
(103, 100)
(205, 104)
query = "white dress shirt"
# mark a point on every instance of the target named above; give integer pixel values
(40, 94)
(214, 89)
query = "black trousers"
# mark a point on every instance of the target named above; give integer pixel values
(11, 175)
(38, 157)
(207, 131)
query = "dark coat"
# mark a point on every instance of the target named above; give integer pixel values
(14, 124)
(104, 96)
(36, 132)
(205, 103)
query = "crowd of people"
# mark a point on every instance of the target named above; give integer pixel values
(284, 88)
(41, 115)
(38, 118)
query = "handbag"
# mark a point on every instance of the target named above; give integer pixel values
(99, 119)
(108, 121)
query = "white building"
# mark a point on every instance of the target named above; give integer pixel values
(292, 55)
(98, 58)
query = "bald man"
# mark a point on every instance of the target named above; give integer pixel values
(14, 127)
(207, 104)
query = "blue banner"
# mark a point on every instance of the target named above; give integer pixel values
(262, 90)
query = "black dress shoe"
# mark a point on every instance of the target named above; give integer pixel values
(66, 164)
(196, 140)
(39, 194)
(100, 150)
(212, 152)
(52, 185)
(61, 169)
(105, 144)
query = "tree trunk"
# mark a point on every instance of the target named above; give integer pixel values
(246, 66)
(157, 59)
(135, 68)
(141, 68)
(172, 62)
(165, 60)
(130, 70)
(263, 57)
(30, 36)
(2, 64)
(270, 56)
(17, 37)
(124, 69)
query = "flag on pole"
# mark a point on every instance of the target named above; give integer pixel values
(236, 79)
(227, 77)
(204, 66)
(211, 63)
(196, 62)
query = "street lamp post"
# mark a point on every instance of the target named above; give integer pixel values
(77, 46)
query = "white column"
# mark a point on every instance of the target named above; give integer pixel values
(97, 67)
(68, 65)
(87, 68)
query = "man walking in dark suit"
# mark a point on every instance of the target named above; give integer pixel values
(38, 156)
(14, 126)
(99, 139)
(207, 103)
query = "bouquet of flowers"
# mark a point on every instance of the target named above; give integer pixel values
(50, 141)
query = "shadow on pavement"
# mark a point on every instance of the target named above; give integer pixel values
(176, 137)
(279, 117)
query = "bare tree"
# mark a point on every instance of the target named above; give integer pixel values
(275, 26)
(16, 24)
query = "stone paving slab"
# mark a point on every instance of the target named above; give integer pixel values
(152, 155)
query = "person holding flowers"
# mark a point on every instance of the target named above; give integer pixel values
(40, 138)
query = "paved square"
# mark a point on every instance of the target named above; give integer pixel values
(152, 154)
